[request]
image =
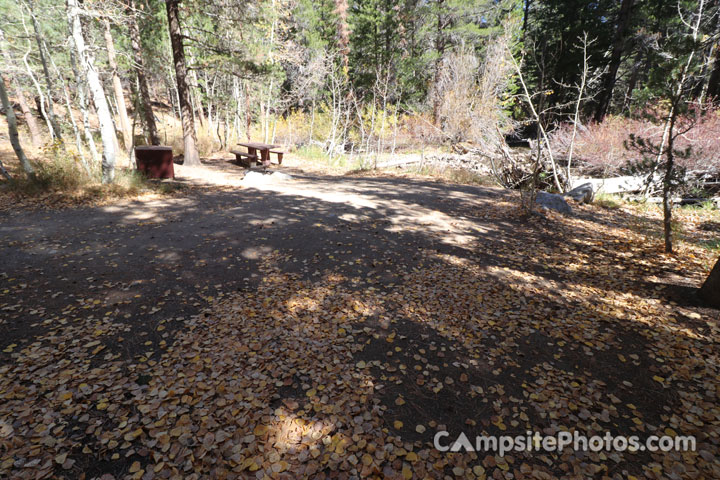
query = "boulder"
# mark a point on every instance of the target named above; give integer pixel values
(259, 178)
(254, 178)
(553, 201)
(280, 176)
(582, 193)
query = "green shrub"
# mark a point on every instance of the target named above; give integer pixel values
(608, 201)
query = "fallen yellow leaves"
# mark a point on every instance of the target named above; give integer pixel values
(304, 376)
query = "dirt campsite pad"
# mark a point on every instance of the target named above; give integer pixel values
(328, 327)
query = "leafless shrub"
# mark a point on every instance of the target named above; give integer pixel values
(470, 104)
(600, 148)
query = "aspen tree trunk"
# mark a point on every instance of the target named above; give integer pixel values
(210, 89)
(117, 88)
(268, 103)
(667, 189)
(113, 108)
(113, 114)
(82, 101)
(40, 99)
(48, 80)
(195, 96)
(238, 107)
(312, 122)
(188, 125)
(274, 129)
(247, 113)
(227, 128)
(107, 129)
(38, 88)
(12, 130)
(24, 108)
(4, 172)
(76, 131)
(68, 105)
(143, 90)
(27, 115)
(172, 95)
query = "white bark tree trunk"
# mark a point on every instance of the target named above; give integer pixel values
(82, 100)
(107, 130)
(41, 95)
(12, 129)
(27, 114)
(117, 88)
(73, 123)
(48, 80)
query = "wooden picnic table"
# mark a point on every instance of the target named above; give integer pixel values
(263, 148)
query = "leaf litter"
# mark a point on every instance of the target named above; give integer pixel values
(323, 376)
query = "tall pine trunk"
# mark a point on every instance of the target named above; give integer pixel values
(107, 129)
(117, 88)
(343, 33)
(608, 82)
(186, 113)
(143, 90)
(639, 67)
(713, 85)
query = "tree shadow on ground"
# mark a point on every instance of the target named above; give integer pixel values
(530, 327)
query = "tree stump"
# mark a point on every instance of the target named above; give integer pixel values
(710, 291)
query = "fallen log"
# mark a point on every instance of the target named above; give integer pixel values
(624, 184)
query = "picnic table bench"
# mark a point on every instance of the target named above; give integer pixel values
(251, 157)
(244, 158)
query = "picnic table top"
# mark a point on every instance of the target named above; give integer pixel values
(259, 146)
(153, 147)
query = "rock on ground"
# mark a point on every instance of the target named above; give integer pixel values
(553, 201)
(582, 193)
